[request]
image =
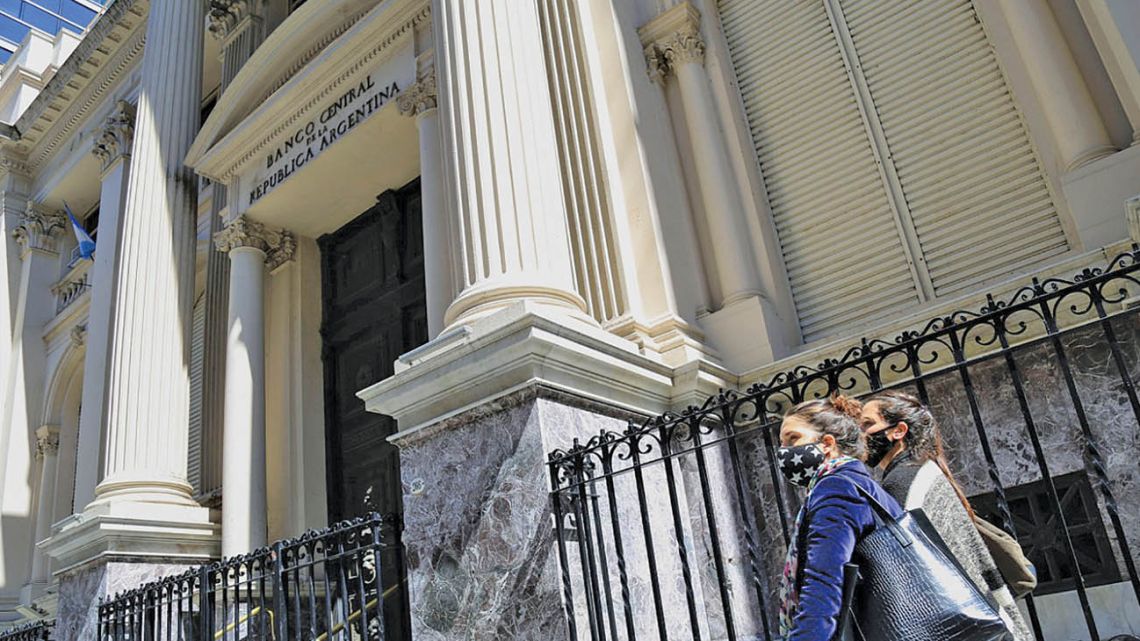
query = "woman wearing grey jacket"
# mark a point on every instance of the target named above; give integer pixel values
(903, 440)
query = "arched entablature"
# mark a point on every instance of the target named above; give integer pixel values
(313, 110)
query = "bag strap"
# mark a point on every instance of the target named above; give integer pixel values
(884, 518)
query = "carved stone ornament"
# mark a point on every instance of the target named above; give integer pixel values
(225, 15)
(79, 335)
(11, 162)
(671, 40)
(278, 245)
(114, 139)
(420, 97)
(47, 441)
(39, 228)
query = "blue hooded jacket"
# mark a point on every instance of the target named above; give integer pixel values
(837, 517)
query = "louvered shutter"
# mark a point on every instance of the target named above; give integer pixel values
(971, 180)
(197, 358)
(842, 249)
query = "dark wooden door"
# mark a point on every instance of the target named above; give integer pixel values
(374, 310)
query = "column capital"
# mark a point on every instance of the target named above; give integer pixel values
(47, 441)
(421, 97)
(115, 137)
(277, 245)
(672, 39)
(39, 228)
(224, 15)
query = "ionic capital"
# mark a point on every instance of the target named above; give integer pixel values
(672, 39)
(39, 229)
(47, 441)
(277, 245)
(420, 97)
(118, 132)
(225, 15)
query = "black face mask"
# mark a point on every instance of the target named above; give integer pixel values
(878, 444)
(800, 462)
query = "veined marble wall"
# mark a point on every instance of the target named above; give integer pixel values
(80, 591)
(478, 523)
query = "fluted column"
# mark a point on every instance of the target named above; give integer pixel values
(249, 245)
(239, 30)
(421, 102)
(47, 453)
(503, 183)
(1074, 121)
(148, 397)
(113, 149)
(673, 46)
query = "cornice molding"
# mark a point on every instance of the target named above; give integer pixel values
(114, 139)
(672, 39)
(420, 97)
(72, 105)
(219, 157)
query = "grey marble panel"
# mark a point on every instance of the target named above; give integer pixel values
(80, 591)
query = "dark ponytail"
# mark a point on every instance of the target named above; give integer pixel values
(923, 438)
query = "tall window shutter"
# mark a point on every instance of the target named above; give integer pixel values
(958, 172)
(830, 207)
(973, 184)
(197, 352)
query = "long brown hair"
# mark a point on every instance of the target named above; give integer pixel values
(923, 438)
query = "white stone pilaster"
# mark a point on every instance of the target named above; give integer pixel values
(47, 452)
(1076, 126)
(113, 148)
(147, 402)
(244, 509)
(421, 102)
(503, 183)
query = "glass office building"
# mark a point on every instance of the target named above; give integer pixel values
(18, 17)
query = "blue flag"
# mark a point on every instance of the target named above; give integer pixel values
(86, 243)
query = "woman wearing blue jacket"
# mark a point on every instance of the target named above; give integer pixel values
(821, 447)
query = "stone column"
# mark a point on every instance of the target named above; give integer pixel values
(420, 102)
(244, 512)
(673, 45)
(47, 452)
(147, 412)
(502, 177)
(1115, 28)
(239, 30)
(1074, 121)
(113, 149)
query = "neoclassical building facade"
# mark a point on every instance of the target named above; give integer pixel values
(385, 255)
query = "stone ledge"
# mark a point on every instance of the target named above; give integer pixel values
(134, 531)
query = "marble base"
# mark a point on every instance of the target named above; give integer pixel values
(481, 557)
(80, 590)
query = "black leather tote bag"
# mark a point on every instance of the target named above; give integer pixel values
(905, 585)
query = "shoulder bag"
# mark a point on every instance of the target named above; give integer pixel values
(904, 584)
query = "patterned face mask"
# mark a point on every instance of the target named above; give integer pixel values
(800, 462)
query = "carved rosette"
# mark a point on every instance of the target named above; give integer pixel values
(672, 39)
(39, 228)
(420, 97)
(47, 441)
(224, 15)
(277, 245)
(115, 138)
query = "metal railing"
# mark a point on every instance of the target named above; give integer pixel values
(342, 583)
(34, 631)
(676, 527)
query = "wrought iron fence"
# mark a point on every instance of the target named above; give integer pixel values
(326, 585)
(676, 528)
(34, 631)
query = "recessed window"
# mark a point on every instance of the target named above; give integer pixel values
(1039, 532)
